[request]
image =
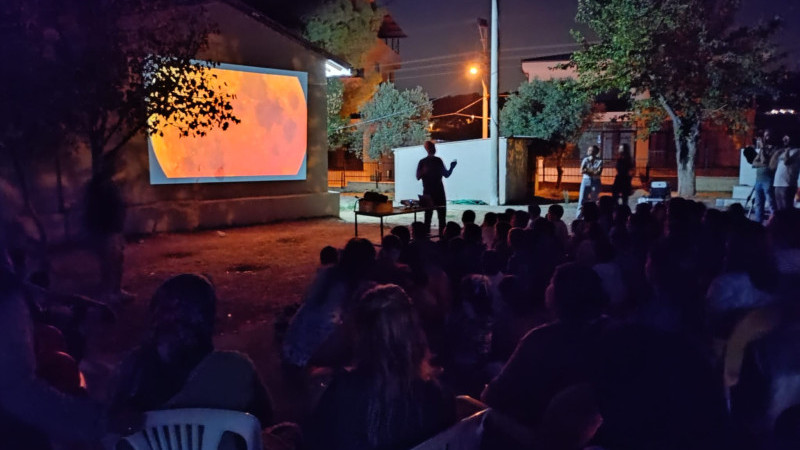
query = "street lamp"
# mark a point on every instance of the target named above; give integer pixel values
(474, 70)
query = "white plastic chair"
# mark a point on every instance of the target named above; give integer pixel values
(194, 429)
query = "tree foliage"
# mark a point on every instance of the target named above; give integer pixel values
(338, 133)
(552, 110)
(347, 28)
(682, 59)
(114, 69)
(394, 118)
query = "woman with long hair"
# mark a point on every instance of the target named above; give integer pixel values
(622, 180)
(390, 399)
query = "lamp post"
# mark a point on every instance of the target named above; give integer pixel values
(485, 102)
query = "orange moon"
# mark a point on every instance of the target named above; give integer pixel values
(271, 139)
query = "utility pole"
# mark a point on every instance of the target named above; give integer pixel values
(483, 30)
(495, 138)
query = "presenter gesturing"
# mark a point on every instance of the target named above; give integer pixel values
(430, 170)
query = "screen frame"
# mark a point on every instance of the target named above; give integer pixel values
(158, 177)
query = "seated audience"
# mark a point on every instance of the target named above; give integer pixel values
(552, 357)
(469, 336)
(317, 334)
(390, 399)
(487, 229)
(177, 367)
(554, 214)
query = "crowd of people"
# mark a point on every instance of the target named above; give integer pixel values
(671, 326)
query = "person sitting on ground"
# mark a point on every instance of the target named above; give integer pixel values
(514, 317)
(390, 399)
(451, 230)
(469, 337)
(487, 229)
(328, 256)
(317, 334)
(388, 269)
(534, 212)
(748, 279)
(403, 233)
(520, 260)
(467, 217)
(554, 214)
(520, 219)
(176, 365)
(552, 357)
(500, 244)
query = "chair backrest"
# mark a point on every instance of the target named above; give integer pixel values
(194, 429)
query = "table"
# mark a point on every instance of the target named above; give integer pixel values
(396, 211)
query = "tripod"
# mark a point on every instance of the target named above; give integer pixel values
(749, 200)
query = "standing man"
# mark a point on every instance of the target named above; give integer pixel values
(762, 190)
(431, 170)
(787, 169)
(591, 168)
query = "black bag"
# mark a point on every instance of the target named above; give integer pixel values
(372, 196)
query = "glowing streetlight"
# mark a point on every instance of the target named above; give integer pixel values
(474, 70)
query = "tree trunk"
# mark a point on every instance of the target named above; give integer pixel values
(687, 134)
(686, 129)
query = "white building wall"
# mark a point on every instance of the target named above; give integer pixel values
(470, 180)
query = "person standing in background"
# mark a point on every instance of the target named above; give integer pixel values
(787, 168)
(591, 168)
(622, 180)
(430, 170)
(763, 193)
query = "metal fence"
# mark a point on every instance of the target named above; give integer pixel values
(374, 171)
(547, 172)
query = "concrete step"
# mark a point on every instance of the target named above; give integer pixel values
(741, 191)
(725, 202)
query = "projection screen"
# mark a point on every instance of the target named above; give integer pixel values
(270, 143)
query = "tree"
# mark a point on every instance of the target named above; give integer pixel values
(394, 119)
(121, 68)
(555, 110)
(347, 28)
(338, 133)
(92, 74)
(681, 59)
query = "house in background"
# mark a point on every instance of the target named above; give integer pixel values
(717, 155)
(245, 37)
(382, 60)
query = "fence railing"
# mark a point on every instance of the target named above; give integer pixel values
(375, 172)
(547, 172)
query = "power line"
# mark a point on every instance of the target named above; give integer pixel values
(454, 63)
(502, 50)
(363, 122)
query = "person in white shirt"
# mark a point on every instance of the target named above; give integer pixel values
(787, 168)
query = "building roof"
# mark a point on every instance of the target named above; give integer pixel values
(390, 29)
(548, 58)
(277, 26)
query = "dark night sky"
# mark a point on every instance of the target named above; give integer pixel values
(443, 37)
